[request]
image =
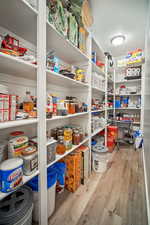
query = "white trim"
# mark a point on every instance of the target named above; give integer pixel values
(41, 103)
(146, 189)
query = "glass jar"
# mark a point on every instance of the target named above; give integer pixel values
(72, 108)
(68, 138)
(60, 132)
(60, 148)
(81, 134)
(76, 138)
(54, 133)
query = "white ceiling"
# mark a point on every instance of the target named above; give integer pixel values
(113, 17)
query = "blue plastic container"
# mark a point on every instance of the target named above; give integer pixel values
(117, 103)
(55, 173)
(51, 179)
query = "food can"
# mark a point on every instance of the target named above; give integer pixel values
(30, 160)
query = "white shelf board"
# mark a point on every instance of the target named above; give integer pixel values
(25, 180)
(98, 110)
(16, 123)
(50, 141)
(96, 69)
(130, 108)
(60, 80)
(110, 108)
(97, 131)
(68, 116)
(129, 95)
(98, 90)
(128, 81)
(17, 67)
(59, 157)
(63, 48)
(126, 122)
(20, 18)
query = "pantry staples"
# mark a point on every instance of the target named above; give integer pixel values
(67, 136)
(56, 65)
(97, 62)
(17, 145)
(97, 122)
(11, 174)
(62, 107)
(12, 107)
(97, 104)
(18, 157)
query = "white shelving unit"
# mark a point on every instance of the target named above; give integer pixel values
(30, 26)
(100, 92)
(119, 79)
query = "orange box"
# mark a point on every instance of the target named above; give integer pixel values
(73, 171)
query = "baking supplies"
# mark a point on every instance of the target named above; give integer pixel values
(11, 174)
(16, 146)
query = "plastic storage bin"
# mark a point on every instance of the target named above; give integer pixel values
(16, 208)
(51, 186)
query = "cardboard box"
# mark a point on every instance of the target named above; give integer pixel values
(85, 163)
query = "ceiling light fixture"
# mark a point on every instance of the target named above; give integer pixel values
(118, 40)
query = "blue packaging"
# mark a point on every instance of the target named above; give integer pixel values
(11, 174)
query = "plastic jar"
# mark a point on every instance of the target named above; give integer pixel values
(30, 160)
(11, 174)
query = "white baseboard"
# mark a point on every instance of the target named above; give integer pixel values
(146, 189)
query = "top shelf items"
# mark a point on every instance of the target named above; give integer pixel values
(22, 19)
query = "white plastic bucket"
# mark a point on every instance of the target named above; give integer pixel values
(99, 162)
(51, 193)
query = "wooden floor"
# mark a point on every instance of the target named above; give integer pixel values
(115, 198)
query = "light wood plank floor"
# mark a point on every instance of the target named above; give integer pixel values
(115, 198)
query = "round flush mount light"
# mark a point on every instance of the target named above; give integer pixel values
(118, 40)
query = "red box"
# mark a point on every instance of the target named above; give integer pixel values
(4, 115)
(12, 107)
(4, 101)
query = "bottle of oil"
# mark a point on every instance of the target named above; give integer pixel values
(28, 104)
